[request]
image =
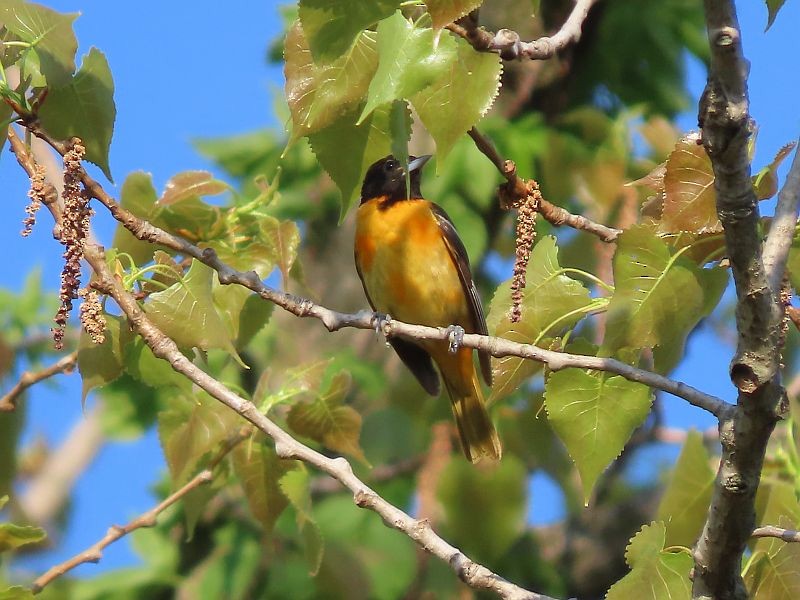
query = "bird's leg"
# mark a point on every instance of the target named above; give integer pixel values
(455, 335)
(383, 324)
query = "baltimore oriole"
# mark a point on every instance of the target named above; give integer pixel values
(414, 267)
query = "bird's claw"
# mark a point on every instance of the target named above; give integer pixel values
(455, 336)
(383, 324)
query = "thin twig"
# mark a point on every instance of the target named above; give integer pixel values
(29, 378)
(784, 223)
(517, 187)
(787, 535)
(509, 45)
(94, 553)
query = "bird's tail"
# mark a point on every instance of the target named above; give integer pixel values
(475, 428)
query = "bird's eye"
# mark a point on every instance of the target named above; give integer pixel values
(390, 165)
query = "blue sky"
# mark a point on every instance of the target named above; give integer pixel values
(182, 73)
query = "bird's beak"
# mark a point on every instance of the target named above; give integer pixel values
(418, 163)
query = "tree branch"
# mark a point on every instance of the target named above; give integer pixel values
(787, 535)
(508, 43)
(29, 378)
(784, 223)
(726, 129)
(517, 187)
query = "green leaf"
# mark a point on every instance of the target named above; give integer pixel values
(685, 502)
(400, 126)
(296, 486)
(444, 12)
(327, 420)
(689, 198)
(471, 82)
(129, 408)
(16, 592)
(775, 500)
(331, 26)
(49, 32)
(408, 61)
(189, 184)
(100, 364)
(496, 493)
(551, 303)
(139, 197)
(594, 415)
(773, 7)
(655, 573)
(773, 573)
(346, 150)
(142, 364)
(260, 471)
(765, 182)
(190, 430)
(282, 238)
(185, 312)
(13, 536)
(85, 108)
(660, 296)
(318, 95)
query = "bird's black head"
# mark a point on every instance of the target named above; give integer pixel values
(387, 177)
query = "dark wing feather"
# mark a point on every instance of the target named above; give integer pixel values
(417, 360)
(461, 259)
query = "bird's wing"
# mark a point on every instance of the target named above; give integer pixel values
(414, 357)
(459, 254)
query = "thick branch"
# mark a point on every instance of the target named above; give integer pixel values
(784, 223)
(787, 535)
(726, 130)
(30, 378)
(509, 45)
(517, 187)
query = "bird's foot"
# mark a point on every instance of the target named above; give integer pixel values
(455, 336)
(383, 324)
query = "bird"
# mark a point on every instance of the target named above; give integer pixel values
(414, 268)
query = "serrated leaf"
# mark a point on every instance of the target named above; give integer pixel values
(326, 420)
(100, 364)
(346, 150)
(16, 592)
(296, 486)
(689, 195)
(282, 238)
(189, 184)
(331, 26)
(319, 95)
(470, 82)
(260, 470)
(659, 297)
(773, 7)
(186, 312)
(594, 415)
(444, 12)
(765, 182)
(49, 32)
(13, 536)
(85, 108)
(496, 493)
(408, 61)
(190, 430)
(551, 303)
(773, 574)
(655, 573)
(139, 197)
(685, 501)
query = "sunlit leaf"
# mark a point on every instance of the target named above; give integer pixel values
(85, 108)
(773, 573)
(327, 420)
(551, 303)
(765, 182)
(408, 61)
(656, 574)
(594, 414)
(100, 364)
(139, 197)
(13, 536)
(685, 502)
(496, 493)
(332, 25)
(446, 11)
(319, 95)
(191, 183)
(49, 32)
(260, 471)
(470, 82)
